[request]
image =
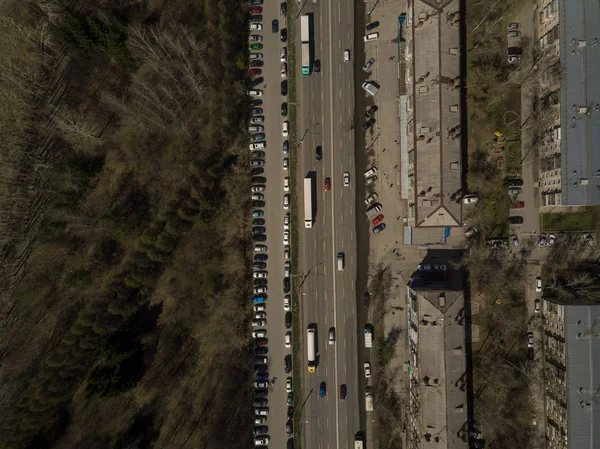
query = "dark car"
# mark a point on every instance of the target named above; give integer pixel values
(256, 103)
(256, 2)
(262, 393)
(289, 428)
(275, 26)
(514, 182)
(261, 342)
(256, 111)
(284, 86)
(283, 35)
(255, 82)
(290, 444)
(343, 391)
(322, 390)
(377, 229)
(287, 364)
(283, 9)
(290, 412)
(257, 171)
(259, 180)
(286, 285)
(261, 430)
(372, 25)
(258, 203)
(258, 154)
(371, 111)
(261, 350)
(284, 109)
(515, 219)
(255, 18)
(319, 153)
(366, 297)
(286, 146)
(259, 238)
(368, 124)
(256, 63)
(288, 320)
(258, 222)
(261, 257)
(317, 66)
(260, 402)
(259, 265)
(261, 377)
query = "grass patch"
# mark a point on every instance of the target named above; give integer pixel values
(586, 219)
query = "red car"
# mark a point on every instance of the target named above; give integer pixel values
(378, 219)
(327, 184)
(254, 72)
(518, 205)
(255, 10)
(261, 341)
(343, 391)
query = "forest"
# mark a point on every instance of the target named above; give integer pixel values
(124, 270)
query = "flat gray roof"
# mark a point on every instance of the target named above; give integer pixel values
(579, 32)
(582, 330)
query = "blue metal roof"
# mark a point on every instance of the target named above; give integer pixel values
(579, 31)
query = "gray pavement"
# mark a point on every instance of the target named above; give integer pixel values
(274, 214)
(325, 111)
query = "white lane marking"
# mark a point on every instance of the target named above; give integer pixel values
(340, 93)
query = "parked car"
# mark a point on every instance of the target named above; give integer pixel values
(538, 284)
(368, 64)
(288, 385)
(371, 37)
(378, 219)
(283, 35)
(371, 199)
(367, 366)
(379, 228)
(285, 128)
(542, 240)
(284, 89)
(515, 219)
(515, 240)
(372, 25)
(255, 46)
(514, 182)
(255, 72)
(283, 54)
(536, 306)
(287, 303)
(288, 320)
(471, 232)
(284, 109)
(470, 199)
(286, 146)
(287, 364)
(551, 239)
(530, 339)
(256, 27)
(513, 26)
(371, 111)
(518, 205)
(256, 63)
(371, 179)
(288, 339)
(514, 33)
(368, 124)
(370, 171)
(275, 26)
(283, 9)
(587, 237)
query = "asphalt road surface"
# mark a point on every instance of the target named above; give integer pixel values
(274, 215)
(328, 296)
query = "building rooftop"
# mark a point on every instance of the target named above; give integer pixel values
(442, 369)
(580, 101)
(435, 125)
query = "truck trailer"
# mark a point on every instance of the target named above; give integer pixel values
(311, 348)
(368, 399)
(305, 42)
(370, 87)
(308, 209)
(368, 336)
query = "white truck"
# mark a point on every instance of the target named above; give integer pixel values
(358, 443)
(368, 336)
(370, 87)
(311, 349)
(305, 43)
(368, 399)
(308, 209)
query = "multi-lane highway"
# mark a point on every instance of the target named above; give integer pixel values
(328, 296)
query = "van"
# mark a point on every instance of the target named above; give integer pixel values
(371, 37)
(340, 261)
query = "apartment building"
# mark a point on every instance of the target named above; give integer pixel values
(571, 374)
(438, 407)
(569, 94)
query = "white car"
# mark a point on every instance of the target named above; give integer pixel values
(256, 56)
(371, 199)
(286, 221)
(256, 128)
(260, 290)
(286, 237)
(512, 59)
(259, 323)
(261, 441)
(286, 163)
(288, 339)
(256, 27)
(538, 284)
(283, 54)
(371, 37)
(346, 55)
(346, 179)
(286, 201)
(371, 171)
(470, 199)
(260, 316)
(286, 184)
(283, 70)
(285, 128)
(288, 385)
(287, 268)
(551, 239)
(255, 38)
(259, 334)
(286, 253)
(257, 146)
(258, 197)
(260, 274)
(259, 188)
(287, 303)
(258, 420)
(255, 93)
(260, 307)
(260, 248)
(261, 411)
(367, 369)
